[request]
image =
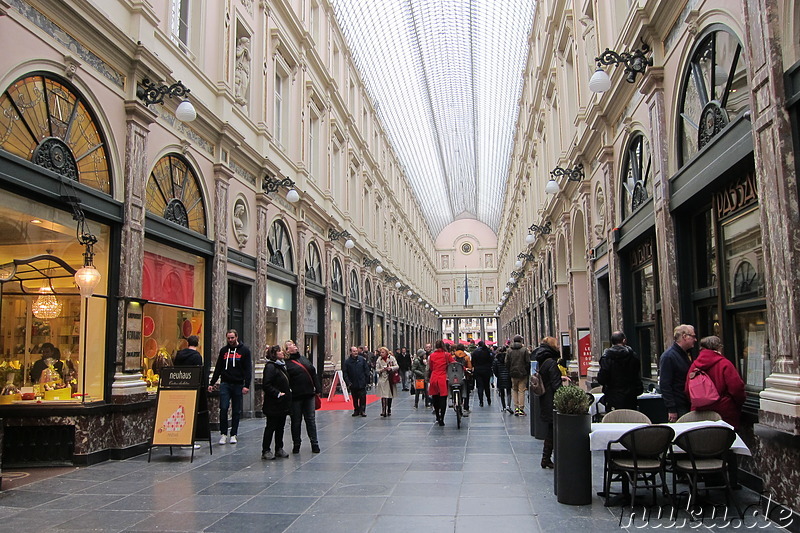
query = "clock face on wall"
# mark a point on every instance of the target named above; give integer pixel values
(466, 248)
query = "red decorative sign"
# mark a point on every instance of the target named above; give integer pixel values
(584, 351)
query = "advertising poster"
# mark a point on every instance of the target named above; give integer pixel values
(584, 351)
(175, 417)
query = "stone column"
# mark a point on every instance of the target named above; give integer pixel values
(610, 185)
(219, 267)
(130, 387)
(300, 289)
(262, 259)
(666, 253)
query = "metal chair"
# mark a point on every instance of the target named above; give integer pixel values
(646, 450)
(625, 415)
(596, 390)
(705, 453)
(700, 416)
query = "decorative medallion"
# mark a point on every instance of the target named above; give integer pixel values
(176, 212)
(466, 248)
(53, 154)
(713, 119)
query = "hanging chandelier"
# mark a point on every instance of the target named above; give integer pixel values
(46, 306)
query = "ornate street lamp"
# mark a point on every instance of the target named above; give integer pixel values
(635, 63)
(152, 93)
(271, 184)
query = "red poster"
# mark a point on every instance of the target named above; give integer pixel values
(584, 351)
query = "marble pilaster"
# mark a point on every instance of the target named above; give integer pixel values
(262, 258)
(300, 295)
(219, 267)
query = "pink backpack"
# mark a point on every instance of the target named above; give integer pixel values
(702, 391)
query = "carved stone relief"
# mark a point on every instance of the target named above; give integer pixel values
(241, 222)
(241, 75)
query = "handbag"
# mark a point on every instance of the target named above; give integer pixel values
(420, 384)
(394, 377)
(317, 402)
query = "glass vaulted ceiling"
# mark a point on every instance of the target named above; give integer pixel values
(445, 77)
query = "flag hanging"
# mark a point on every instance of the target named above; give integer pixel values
(466, 289)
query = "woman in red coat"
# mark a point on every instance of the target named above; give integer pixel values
(437, 375)
(725, 377)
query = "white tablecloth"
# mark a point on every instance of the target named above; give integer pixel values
(602, 433)
(599, 408)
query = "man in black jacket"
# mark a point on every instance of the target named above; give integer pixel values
(234, 368)
(404, 360)
(620, 374)
(357, 375)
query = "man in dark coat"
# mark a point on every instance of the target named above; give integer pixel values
(482, 367)
(305, 385)
(518, 362)
(546, 356)
(189, 356)
(404, 360)
(357, 375)
(620, 374)
(673, 367)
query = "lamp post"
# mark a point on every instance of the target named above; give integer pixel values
(635, 63)
(152, 93)
(271, 184)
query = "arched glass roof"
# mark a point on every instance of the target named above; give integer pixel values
(445, 77)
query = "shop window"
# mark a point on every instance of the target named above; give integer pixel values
(44, 121)
(367, 292)
(45, 325)
(173, 193)
(354, 288)
(705, 250)
(173, 283)
(743, 258)
(313, 264)
(752, 347)
(636, 177)
(337, 281)
(279, 246)
(645, 306)
(715, 91)
(279, 312)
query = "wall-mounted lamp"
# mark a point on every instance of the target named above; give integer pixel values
(151, 93)
(334, 235)
(271, 184)
(369, 263)
(514, 275)
(572, 174)
(544, 229)
(635, 63)
(522, 256)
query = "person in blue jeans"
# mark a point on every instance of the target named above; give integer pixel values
(234, 368)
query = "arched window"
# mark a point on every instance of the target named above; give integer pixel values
(279, 246)
(45, 121)
(715, 90)
(637, 184)
(355, 293)
(313, 264)
(173, 193)
(337, 283)
(367, 292)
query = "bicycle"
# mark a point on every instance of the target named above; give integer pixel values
(455, 381)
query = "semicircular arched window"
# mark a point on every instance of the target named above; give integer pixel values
(355, 294)
(279, 246)
(637, 184)
(379, 297)
(45, 121)
(337, 282)
(715, 91)
(173, 192)
(367, 292)
(313, 265)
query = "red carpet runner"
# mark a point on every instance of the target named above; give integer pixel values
(338, 403)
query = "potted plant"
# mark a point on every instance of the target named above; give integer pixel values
(573, 464)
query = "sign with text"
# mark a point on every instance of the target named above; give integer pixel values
(133, 336)
(175, 418)
(584, 351)
(181, 377)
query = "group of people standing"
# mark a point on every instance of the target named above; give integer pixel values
(290, 384)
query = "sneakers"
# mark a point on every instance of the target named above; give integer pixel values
(280, 454)
(522, 412)
(355, 413)
(265, 456)
(233, 439)
(223, 439)
(516, 412)
(315, 448)
(465, 413)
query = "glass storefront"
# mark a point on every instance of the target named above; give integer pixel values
(173, 282)
(334, 360)
(279, 313)
(51, 342)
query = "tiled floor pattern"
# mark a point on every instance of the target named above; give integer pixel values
(374, 474)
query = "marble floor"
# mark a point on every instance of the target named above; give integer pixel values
(374, 474)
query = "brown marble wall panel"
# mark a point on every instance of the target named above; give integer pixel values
(777, 456)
